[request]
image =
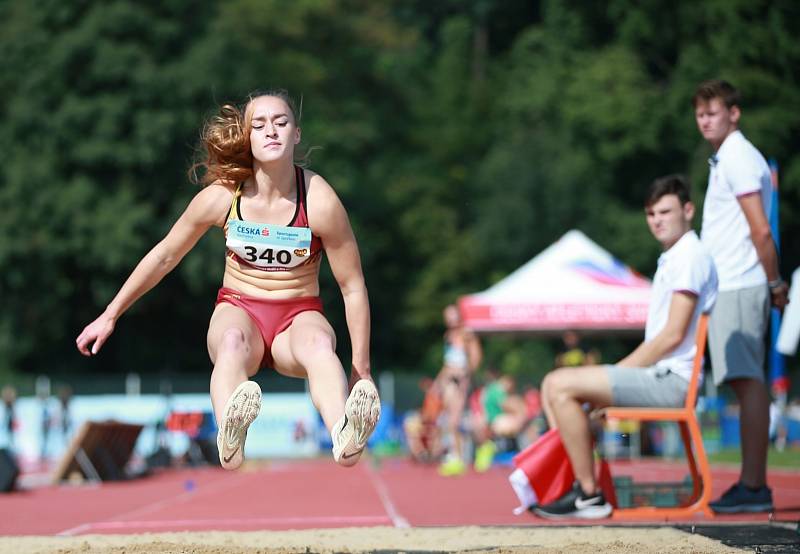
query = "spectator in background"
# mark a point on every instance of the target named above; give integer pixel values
(736, 231)
(421, 427)
(46, 421)
(503, 417)
(573, 355)
(657, 373)
(65, 421)
(9, 397)
(462, 356)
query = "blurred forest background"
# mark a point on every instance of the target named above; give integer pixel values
(463, 137)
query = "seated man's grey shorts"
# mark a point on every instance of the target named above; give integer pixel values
(646, 386)
(736, 334)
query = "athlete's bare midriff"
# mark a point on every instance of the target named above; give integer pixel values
(293, 283)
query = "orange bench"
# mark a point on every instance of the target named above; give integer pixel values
(692, 441)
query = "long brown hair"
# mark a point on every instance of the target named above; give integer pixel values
(225, 142)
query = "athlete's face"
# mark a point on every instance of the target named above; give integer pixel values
(273, 130)
(715, 120)
(668, 220)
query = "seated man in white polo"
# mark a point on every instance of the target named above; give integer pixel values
(657, 373)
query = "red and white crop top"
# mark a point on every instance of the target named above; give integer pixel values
(272, 247)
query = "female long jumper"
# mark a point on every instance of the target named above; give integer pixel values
(277, 218)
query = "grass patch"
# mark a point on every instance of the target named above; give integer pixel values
(789, 458)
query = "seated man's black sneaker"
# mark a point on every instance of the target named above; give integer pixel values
(575, 504)
(742, 499)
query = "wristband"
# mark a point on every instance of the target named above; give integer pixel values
(775, 284)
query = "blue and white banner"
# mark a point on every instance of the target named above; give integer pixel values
(287, 426)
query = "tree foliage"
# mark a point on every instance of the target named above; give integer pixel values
(463, 137)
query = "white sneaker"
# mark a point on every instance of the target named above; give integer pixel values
(361, 413)
(241, 409)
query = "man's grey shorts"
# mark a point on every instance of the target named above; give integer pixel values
(646, 386)
(736, 332)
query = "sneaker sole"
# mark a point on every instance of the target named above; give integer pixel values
(362, 410)
(241, 410)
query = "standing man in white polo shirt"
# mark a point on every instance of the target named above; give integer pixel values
(657, 373)
(737, 233)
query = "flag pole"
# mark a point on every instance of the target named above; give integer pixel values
(779, 381)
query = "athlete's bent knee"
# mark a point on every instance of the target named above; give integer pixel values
(316, 341)
(558, 387)
(551, 385)
(233, 341)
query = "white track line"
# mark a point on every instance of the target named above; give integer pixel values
(222, 482)
(392, 515)
(229, 523)
(383, 494)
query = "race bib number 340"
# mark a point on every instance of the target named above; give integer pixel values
(270, 247)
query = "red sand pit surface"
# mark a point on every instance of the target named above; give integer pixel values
(303, 494)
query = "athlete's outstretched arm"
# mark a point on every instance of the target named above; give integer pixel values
(328, 219)
(207, 208)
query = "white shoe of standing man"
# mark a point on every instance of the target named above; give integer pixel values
(361, 413)
(241, 409)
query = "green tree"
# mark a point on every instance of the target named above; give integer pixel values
(464, 137)
(93, 127)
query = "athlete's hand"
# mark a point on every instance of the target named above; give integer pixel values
(95, 334)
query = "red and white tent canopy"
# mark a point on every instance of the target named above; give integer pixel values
(573, 284)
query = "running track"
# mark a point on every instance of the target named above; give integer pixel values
(297, 494)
